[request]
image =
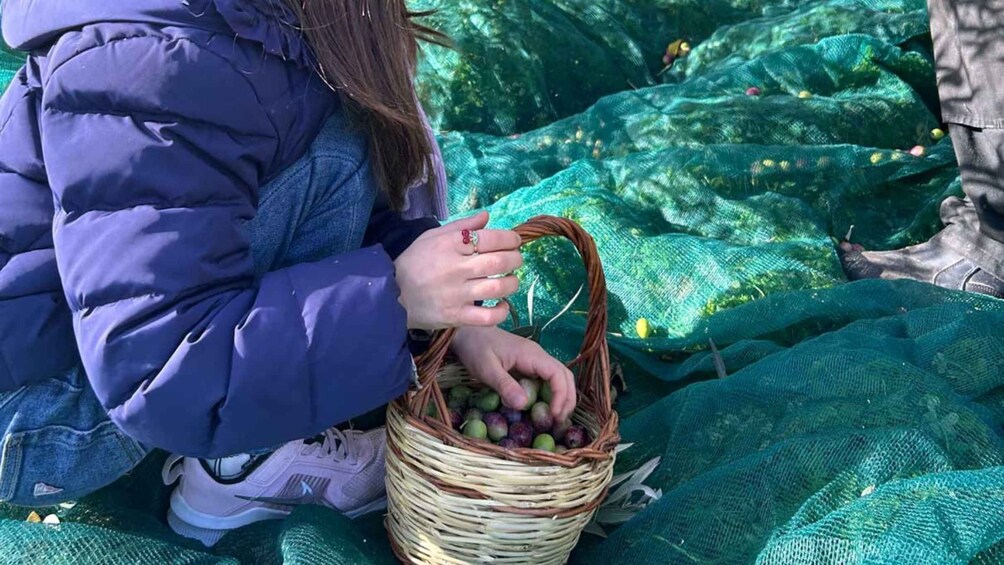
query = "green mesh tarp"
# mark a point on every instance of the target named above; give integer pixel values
(10, 62)
(855, 423)
(521, 64)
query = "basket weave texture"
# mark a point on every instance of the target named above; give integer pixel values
(454, 499)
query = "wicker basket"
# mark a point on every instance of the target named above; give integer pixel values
(452, 499)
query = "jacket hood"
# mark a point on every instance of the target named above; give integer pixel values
(31, 24)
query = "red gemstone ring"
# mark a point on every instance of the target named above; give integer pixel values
(470, 238)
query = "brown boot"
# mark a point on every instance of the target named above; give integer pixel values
(930, 262)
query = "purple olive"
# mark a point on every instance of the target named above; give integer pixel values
(508, 443)
(541, 417)
(456, 419)
(532, 388)
(498, 426)
(511, 414)
(521, 433)
(559, 429)
(576, 437)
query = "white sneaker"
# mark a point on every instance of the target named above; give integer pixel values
(343, 470)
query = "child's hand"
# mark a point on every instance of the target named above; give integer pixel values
(441, 278)
(490, 353)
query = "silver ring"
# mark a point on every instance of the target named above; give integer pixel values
(474, 241)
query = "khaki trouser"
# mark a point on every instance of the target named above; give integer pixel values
(969, 55)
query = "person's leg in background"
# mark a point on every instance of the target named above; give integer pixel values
(969, 253)
(975, 224)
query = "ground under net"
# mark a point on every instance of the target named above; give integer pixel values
(855, 423)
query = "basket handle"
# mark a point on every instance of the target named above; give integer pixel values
(593, 360)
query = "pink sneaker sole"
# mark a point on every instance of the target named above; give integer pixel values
(209, 529)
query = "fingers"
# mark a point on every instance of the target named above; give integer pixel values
(496, 377)
(476, 222)
(481, 316)
(491, 289)
(488, 241)
(563, 389)
(538, 362)
(492, 264)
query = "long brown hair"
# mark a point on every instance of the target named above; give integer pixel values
(367, 51)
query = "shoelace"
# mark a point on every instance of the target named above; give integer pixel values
(335, 444)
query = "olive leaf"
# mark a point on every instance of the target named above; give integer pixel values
(529, 298)
(532, 331)
(628, 496)
(565, 309)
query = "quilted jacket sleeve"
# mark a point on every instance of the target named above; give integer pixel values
(36, 332)
(155, 178)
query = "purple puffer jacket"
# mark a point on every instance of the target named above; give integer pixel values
(132, 147)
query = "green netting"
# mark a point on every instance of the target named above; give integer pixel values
(10, 62)
(857, 423)
(521, 64)
(702, 197)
